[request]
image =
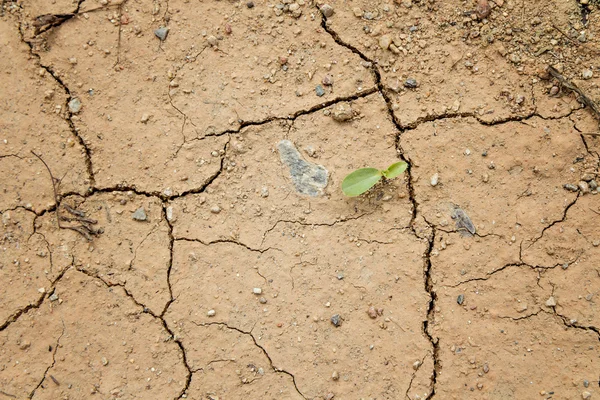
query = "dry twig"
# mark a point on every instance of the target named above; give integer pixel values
(83, 224)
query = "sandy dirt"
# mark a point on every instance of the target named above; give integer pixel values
(173, 225)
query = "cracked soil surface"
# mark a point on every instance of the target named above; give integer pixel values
(156, 243)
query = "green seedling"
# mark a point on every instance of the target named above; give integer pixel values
(363, 179)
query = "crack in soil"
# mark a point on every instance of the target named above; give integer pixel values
(158, 317)
(337, 221)
(563, 219)
(51, 365)
(74, 130)
(38, 303)
(290, 117)
(428, 282)
(381, 89)
(264, 351)
(572, 323)
(184, 239)
(414, 375)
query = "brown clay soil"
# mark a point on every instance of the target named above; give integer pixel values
(185, 246)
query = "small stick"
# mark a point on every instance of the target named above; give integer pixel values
(71, 210)
(83, 229)
(56, 199)
(565, 35)
(571, 86)
(81, 219)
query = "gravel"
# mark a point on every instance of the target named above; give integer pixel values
(342, 112)
(319, 90)
(372, 312)
(570, 187)
(460, 299)
(140, 214)
(75, 105)
(327, 10)
(161, 33)
(336, 320)
(410, 83)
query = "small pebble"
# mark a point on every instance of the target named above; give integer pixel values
(410, 83)
(250, 4)
(342, 112)
(335, 376)
(584, 186)
(139, 214)
(416, 365)
(385, 41)
(570, 187)
(435, 179)
(104, 361)
(586, 383)
(483, 9)
(262, 300)
(211, 313)
(327, 10)
(593, 185)
(340, 276)
(145, 118)
(53, 297)
(551, 302)
(586, 395)
(75, 105)
(327, 80)
(372, 312)
(336, 320)
(213, 41)
(587, 74)
(587, 177)
(460, 299)
(319, 90)
(161, 33)
(215, 210)
(257, 290)
(486, 368)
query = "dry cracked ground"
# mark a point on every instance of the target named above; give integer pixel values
(173, 224)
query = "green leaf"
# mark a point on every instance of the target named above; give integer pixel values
(395, 169)
(360, 181)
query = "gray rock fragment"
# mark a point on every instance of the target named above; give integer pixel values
(327, 10)
(75, 105)
(308, 178)
(336, 320)
(161, 33)
(139, 214)
(462, 221)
